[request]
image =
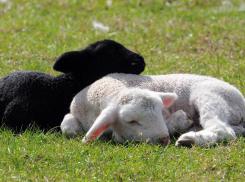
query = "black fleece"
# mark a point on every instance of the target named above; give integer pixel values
(28, 97)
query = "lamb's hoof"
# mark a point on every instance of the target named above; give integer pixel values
(185, 142)
(189, 119)
(184, 119)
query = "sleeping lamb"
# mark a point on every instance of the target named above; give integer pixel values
(102, 107)
(34, 97)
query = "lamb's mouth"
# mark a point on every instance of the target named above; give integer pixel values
(165, 140)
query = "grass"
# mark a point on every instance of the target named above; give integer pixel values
(34, 156)
(188, 36)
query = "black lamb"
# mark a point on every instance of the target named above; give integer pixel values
(28, 97)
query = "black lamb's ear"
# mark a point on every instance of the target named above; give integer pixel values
(69, 61)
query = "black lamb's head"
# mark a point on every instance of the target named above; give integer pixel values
(99, 59)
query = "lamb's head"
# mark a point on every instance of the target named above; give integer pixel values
(136, 115)
(100, 59)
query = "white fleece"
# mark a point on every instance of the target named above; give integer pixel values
(216, 105)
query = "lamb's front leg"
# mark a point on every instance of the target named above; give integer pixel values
(70, 126)
(207, 136)
(214, 116)
(179, 122)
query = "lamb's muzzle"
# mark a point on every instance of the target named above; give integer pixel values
(165, 140)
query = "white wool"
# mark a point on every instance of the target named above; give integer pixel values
(100, 26)
(219, 105)
(187, 87)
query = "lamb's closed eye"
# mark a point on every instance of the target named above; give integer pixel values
(133, 123)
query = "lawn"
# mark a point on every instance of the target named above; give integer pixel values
(187, 36)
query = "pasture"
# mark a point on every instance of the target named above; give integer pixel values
(188, 36)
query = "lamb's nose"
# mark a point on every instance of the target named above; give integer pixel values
(139, 57)
(165, 140)
(138, 61)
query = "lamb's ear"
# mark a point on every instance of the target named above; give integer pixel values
(70, 61)
(104, 120)
(168, 98)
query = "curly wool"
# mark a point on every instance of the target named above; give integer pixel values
(182, 84)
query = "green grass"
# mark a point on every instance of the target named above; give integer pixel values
(34, 156)
(188, 36)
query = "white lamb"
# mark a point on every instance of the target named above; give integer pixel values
(138, 113)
